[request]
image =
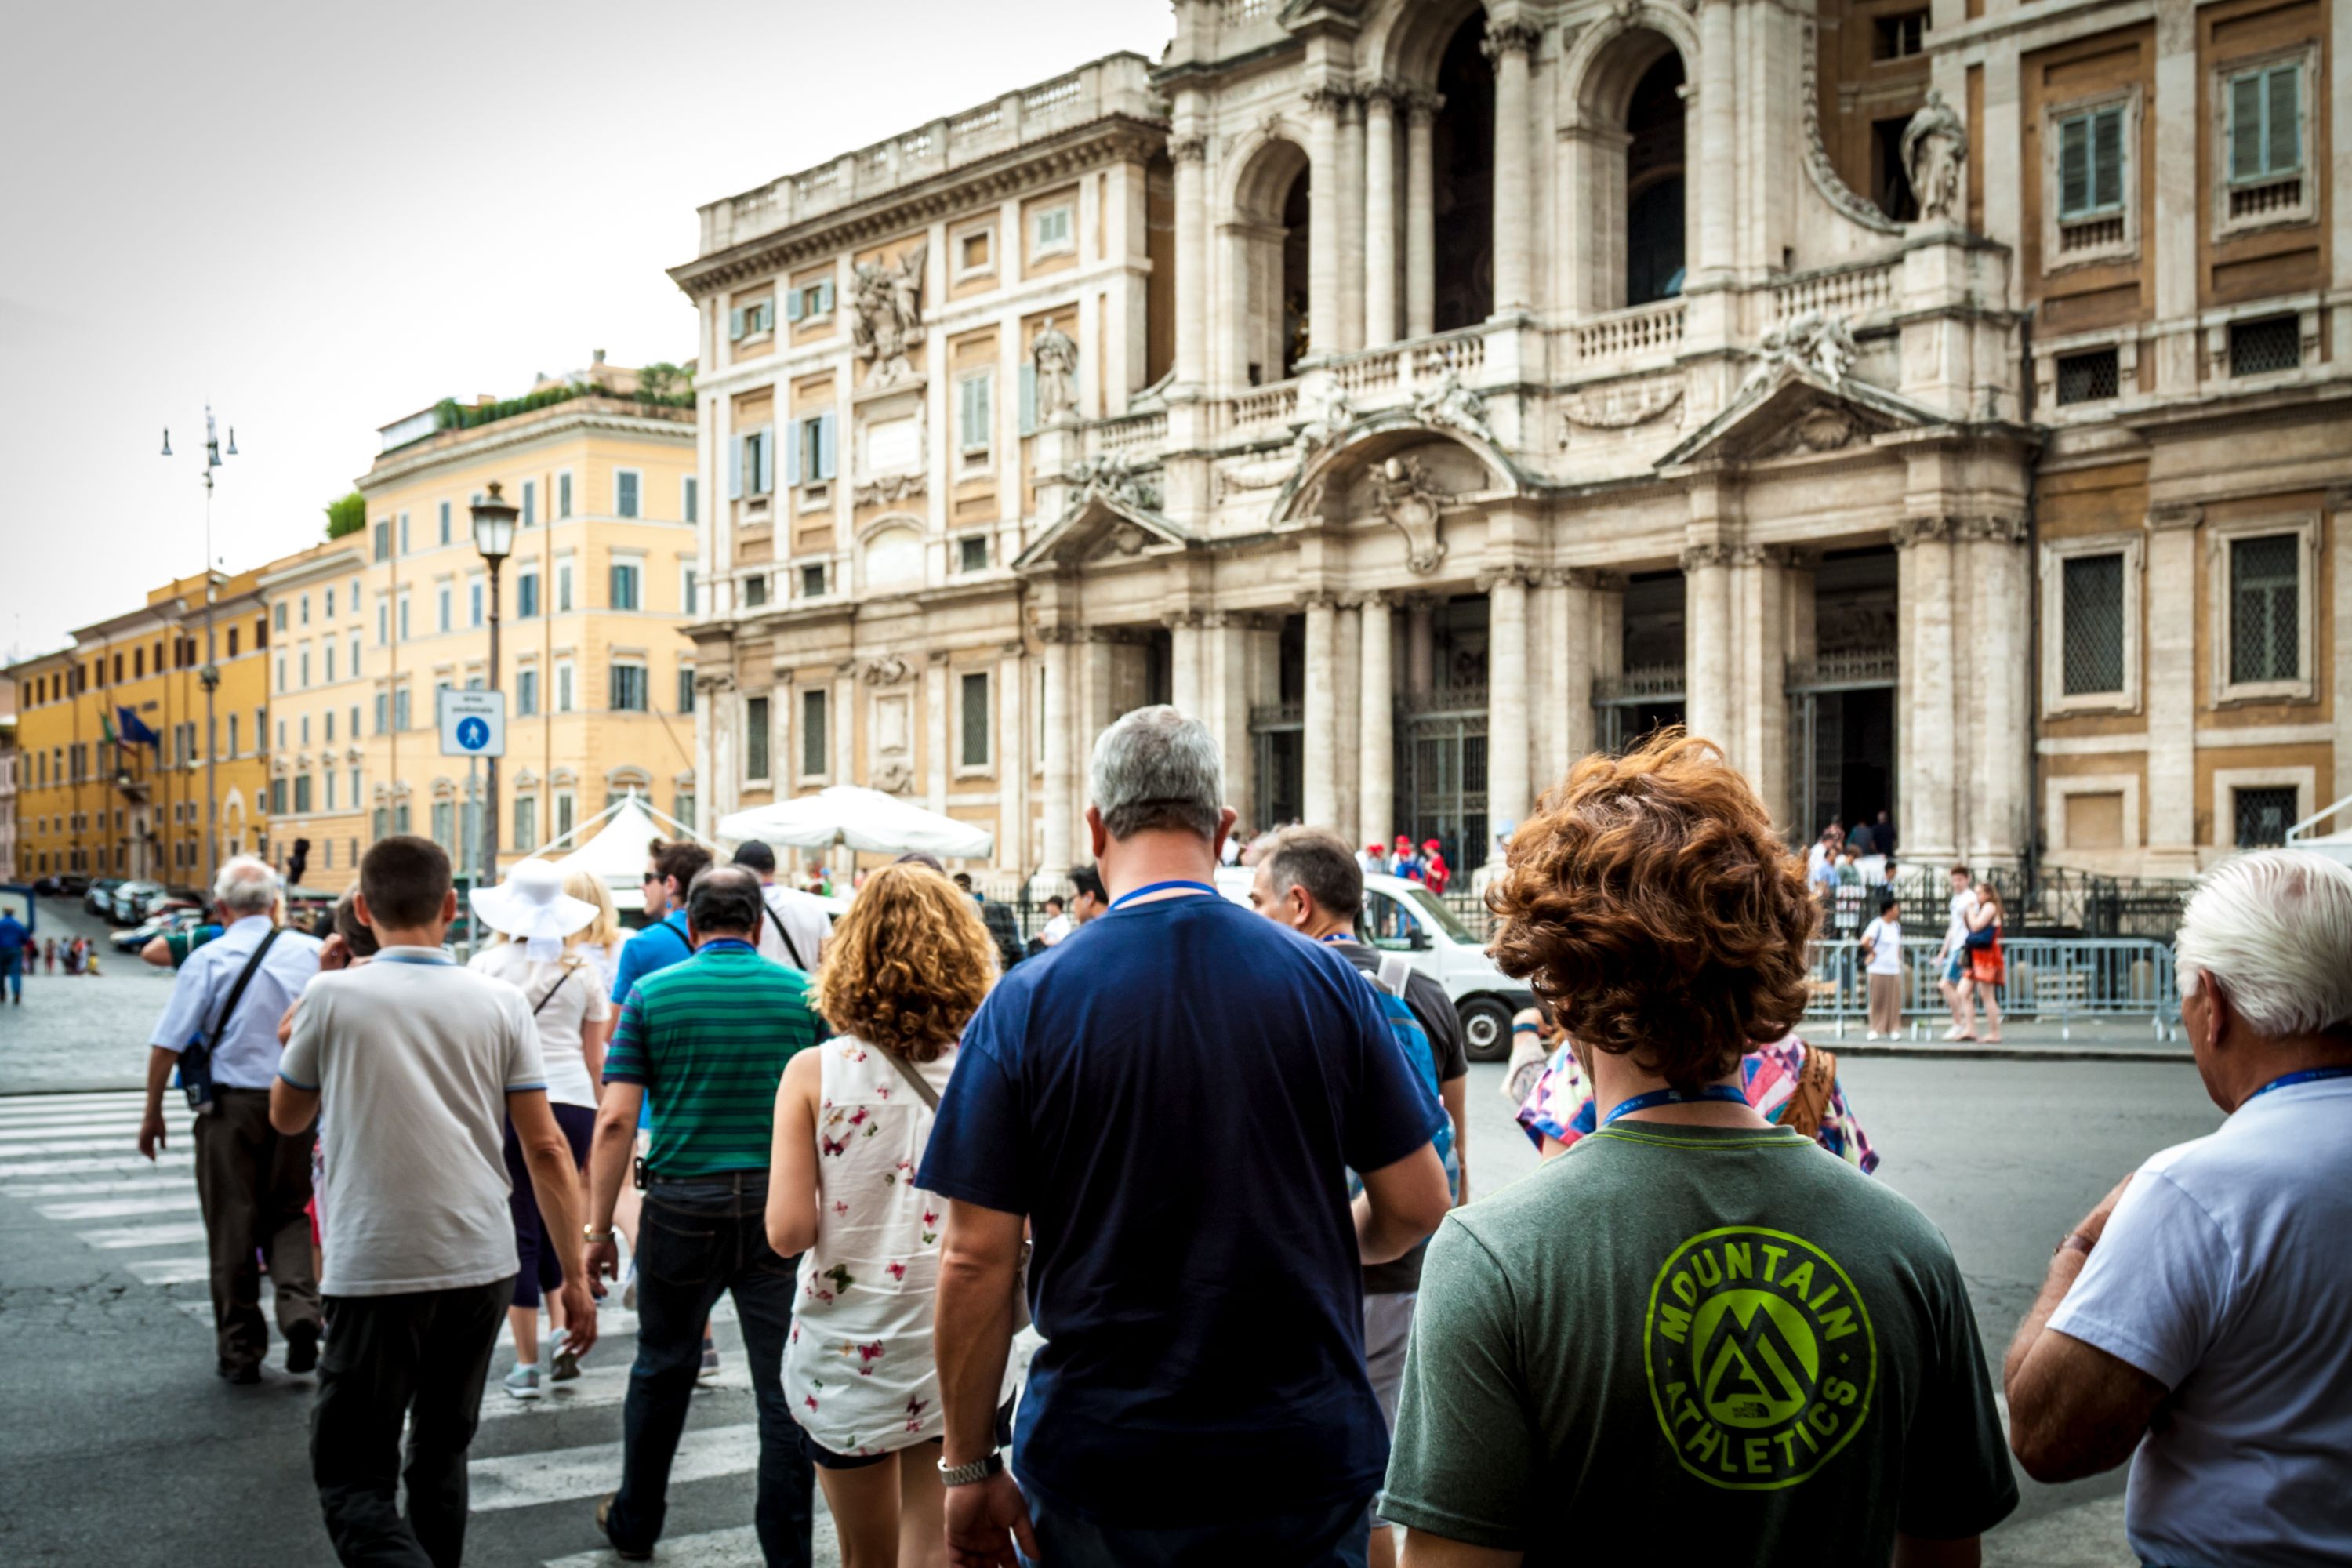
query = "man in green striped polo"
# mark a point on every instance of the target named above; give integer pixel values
(704, 1040)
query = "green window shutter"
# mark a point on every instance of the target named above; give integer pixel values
(826, 424)
(735, 324)
(735, 468)
(2286, 128)
(2073, 166)
(1028, 400)
(2246, 126)
(825, 298)
(2107, 158)
(792, 453)
(795, 305)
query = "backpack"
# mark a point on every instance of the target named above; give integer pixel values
(1388, 986)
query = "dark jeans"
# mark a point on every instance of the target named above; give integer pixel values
(1338, 1537)
(697, 1240)
(423, 1357)
(253, 1184)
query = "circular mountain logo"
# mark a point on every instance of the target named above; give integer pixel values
(1760, 1356)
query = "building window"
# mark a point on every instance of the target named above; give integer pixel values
(233, 747)
(810, 301)
(301, 793)
(530, 503)
(400, 709)
(2091, 376)
(813, 581)
(444, 524)
(2261, 347)
(306, 668)
(751, 320)
(564, 494)
(563, 813)
(441, 598)
(2265, 606)
(326, 652)
(625, 483)
(282, 615)
(1899, 36)
(975, 253)
(2088, 195)
(624, 575)
(472, 601)
(974, 691)
(813, 751)
(281, 674)
(687, 602)
(755, 738)
(445, 826)
(2263, 129)
(277, 797)
(403, 533)
(684, 809)
(563, 587)
(973, 395)
(2262, 816)
(382, 553)
(381, 716)
(685, 688)
(526, 693)
(526, 822)
(755, 591)
(1051, 231)
(751, 463)
(689, 498)
(355, 669)
(2091, 163)
(972, 553)
(564, 687)
(810, 455)
(527, 595)
(627, 688)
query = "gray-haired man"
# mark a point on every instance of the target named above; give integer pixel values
(252, 1181)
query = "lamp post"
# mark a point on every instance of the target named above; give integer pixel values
(209, 675)
(494, 532)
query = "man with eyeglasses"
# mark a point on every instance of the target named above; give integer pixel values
(670, 870)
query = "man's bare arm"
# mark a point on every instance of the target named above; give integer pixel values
(1400, 1203)
(2073, 1409)
(1422, 1550)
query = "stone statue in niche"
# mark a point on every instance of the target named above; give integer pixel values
(1055, 360)
(1410, 500)
(888, 300)
(1934, 146)
(1452, 405)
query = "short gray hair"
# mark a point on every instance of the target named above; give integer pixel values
(246, 886)
(1314, 858)
(2275, 928)
(1157, 769)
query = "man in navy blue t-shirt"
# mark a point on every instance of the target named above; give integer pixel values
(1172, 1097)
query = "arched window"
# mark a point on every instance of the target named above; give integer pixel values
(1266, 249)
(1463, 153)
(1654, 184)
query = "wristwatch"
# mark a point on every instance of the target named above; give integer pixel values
(2073, 1241)
(594, 1237)
(978, 1471)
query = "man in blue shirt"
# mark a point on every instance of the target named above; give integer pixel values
(253, 1183)
(12, 955)
(670, 870)
(1173, 1098)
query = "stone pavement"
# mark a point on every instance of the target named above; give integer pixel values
(83, 1032)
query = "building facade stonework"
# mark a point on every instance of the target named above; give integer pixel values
(1941, 406)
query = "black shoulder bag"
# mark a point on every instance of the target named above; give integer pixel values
(197, 1059)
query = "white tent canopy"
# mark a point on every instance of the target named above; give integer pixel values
(860, 819)
(617, 854)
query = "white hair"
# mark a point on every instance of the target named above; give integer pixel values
(2274, 928)
(246, 886)
(1157, 769)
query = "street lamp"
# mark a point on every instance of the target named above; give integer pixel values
(209, 675)
(494, 534)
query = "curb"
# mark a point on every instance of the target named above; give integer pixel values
(2005, 1053)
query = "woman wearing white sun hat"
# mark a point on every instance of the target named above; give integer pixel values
(543, 955)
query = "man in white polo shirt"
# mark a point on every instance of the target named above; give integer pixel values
(2199, 1321)
(418, 1063)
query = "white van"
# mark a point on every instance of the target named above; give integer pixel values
(1402, 916)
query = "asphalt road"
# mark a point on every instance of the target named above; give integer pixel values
(117, 1445)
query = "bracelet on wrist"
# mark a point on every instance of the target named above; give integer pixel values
(590, 1234)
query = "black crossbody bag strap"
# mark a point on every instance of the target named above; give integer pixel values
(550, 993)
(783, 935)
(196, 1078)
(906, 1071)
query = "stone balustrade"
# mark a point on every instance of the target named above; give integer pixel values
(1625, 337)
(1275, 404)
(1131, 431)
(1851, 292)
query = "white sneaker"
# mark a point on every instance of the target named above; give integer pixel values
(563, 1361)
(1872, 1035)
(522, 1383)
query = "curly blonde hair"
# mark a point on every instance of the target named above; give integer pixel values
(908, 965)
(1650, 902)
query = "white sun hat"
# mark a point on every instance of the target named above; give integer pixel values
(531, 905)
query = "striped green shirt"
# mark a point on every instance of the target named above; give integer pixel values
(709, 1039)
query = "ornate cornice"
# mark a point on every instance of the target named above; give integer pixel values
(1422, 102)
(1833, 190)
(2338, 497)
(1697, 556)
(1112, 139)
(1189, 149)
(486, 440)
(1911, 530)
(1330, 97)
(2000, 528)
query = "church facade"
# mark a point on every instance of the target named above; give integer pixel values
(1942, 406)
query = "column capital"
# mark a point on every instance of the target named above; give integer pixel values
(2000, 528)
(938, 656)
(1059, 634)
(1504, 576)
(1384, 93)
(1189, 149)
(2338, 497)
(1572, 577)
(2165, 519)
(1318, 599)
(1697, 557)
(1423, 104)
(1329, 96)
(1505, 39)
(1175, 620)
(1013, 648)
(1374, 599)
(1910, 530)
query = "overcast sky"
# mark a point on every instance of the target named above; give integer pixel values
(324, 217)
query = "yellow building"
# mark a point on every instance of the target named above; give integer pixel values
(94, 799)
(598, 677)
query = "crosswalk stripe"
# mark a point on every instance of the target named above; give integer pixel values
(177, 1235)
(556, 1475)
(77, 1097)
(737, 1548)
(597, 1386)
(177, 1202)
(161, 1182)
(174, 1271)
(20, 1114)
(67, 1146)
(129, 1163)
(21, 1133)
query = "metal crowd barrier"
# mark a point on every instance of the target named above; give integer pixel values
(2047, 979)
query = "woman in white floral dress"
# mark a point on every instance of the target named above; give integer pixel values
(907, 967)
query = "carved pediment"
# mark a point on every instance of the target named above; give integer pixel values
(1101, 525)
(1790, 409)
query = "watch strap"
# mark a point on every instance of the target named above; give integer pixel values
(972, 1474)
(2075, 1241)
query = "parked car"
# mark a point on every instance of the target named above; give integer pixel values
(1401, 915)
(167, 917)
(98, 894)
(73, 885)
(128, 904)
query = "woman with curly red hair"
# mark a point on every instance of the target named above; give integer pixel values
(904, 970)
(1691, 1307)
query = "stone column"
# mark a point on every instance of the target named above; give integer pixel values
(1227, 641)
(1380, 215)
(1421, 646)
(1347, 714)
(1325, 101)
(1235, 317)
(1511, 47)
(1015, 838)
(1421, 216)
(1506, 698)
(937, 679)
(1927, 735)
(1715, 155)
(1192, 324)
(1758, 733)
(1061, 785)
(1564, 731)
(1707, 644)
(1187, 679)
(2171, 637)
(2339, 523)
(1351, 222)
(1321, 739)
(1376, 731)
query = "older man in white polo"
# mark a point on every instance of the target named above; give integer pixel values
(220, 1030)
(2199, 1321)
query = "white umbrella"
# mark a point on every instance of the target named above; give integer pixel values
(861, 819)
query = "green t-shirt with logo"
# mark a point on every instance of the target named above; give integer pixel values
(1698, 1344)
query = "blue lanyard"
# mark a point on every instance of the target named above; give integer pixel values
(2310, 1075)
(1161, 887)
(1658, 1097)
